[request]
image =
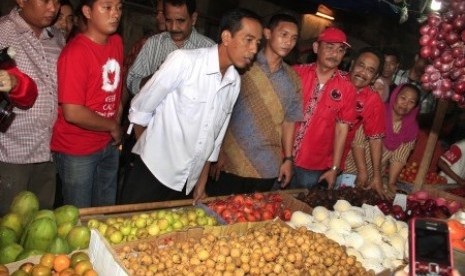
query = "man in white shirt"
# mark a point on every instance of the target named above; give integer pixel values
(186, 107)
(452, 163)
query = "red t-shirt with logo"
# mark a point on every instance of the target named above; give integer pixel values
(323, 108)
(89, 74)
(370, 115)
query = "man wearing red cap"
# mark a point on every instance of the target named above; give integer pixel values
(329, 109)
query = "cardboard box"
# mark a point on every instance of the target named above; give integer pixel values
(103, 257)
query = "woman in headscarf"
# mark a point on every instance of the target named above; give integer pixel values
(400, 135)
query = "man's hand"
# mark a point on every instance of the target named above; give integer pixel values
(7, 81)
(199, 190)
(330, 177)
(285, 173)
(138, 130)
(217, 167)
(377, 185)
(116, 134)
(362, 180)
(199, 193)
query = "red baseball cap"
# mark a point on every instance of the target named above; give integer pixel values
(333, 35)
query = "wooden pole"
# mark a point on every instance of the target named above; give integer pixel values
(431, 144)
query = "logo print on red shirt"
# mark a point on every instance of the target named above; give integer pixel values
(335, 95)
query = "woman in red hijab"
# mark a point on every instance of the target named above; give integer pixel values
(401, 130)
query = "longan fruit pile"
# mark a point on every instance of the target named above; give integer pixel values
(274, 249)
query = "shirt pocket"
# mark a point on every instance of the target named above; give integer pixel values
(191, 104)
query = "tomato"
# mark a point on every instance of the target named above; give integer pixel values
(258, 196)
(456, 229)
(238, 199)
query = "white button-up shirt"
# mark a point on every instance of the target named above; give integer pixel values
(186, 107)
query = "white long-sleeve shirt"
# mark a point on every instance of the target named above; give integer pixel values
(186, 107)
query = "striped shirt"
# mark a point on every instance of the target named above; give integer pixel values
(27, 140)
(155, 51)
(400, 154)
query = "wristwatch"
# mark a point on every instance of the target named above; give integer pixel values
(288, 158)
(336, 169)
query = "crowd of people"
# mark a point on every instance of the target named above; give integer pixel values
(205, 118)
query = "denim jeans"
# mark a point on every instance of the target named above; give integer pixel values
(89, 180)
(304, 178)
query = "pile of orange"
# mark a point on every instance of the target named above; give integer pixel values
(58, 265)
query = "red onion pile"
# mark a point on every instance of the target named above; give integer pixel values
(442, 43)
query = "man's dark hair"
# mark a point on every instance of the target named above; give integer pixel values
(88, 3)
(389, 51)
(66, 3)
(282, 17)
(190, 4)
(374, 51)
(231, 20)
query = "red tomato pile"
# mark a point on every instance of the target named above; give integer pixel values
(251, 207)
(409, 173)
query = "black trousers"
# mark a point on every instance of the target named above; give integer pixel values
(228, 184)
(140, 186)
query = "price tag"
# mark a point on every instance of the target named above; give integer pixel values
(401, 200)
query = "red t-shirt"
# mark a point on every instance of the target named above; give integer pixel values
(89, 74)
(323, 108)
(370, 115)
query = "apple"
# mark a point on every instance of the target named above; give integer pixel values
(102, 228)
(199, 212)
(201, 220)
(161, 214)
(177, 224)
(125, 229)
(153, 229)
(191, 215)
(163, 224)
(141, 222)
(211, 221)
(93, 223)
(116, 237)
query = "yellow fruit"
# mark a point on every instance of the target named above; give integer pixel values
(61, 263)
(47, 260)
(82, 266)
(77, 257)
(90, 272)
(41, 270)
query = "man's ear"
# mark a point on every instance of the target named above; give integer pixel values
(351, 65)
(194, 18)
(375, 77)
(267, 33)
(315, 45)
(86, 11)
(226, 37)
(21, 3)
